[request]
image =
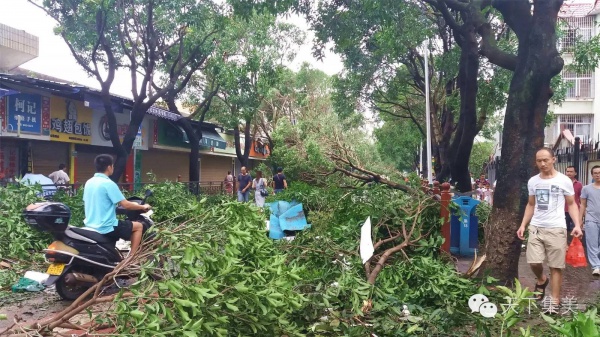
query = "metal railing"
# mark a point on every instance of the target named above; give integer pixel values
(582, 155)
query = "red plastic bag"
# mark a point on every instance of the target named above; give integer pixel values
(576, 254)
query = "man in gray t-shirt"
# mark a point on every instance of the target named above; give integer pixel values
(590, 211)
(549, 191)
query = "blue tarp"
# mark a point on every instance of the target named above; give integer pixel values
(286, 216)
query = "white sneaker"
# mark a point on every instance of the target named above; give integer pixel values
(596, 272)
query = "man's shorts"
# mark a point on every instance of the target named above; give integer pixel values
(121, 231)
(547, 244)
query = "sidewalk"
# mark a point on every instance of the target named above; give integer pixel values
(577, 282)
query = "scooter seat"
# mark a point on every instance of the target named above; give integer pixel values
(90, 234)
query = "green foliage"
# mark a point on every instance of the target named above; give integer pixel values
(222, 276)
(170, 200)
(519, 303)
(333, 276)
(481, 154)
(586, 54)
(383, 45)
(582, 324)
(231, 280)
(75, 203)
(319, 144)
(398, 142)
(253, 50)
(17, 239)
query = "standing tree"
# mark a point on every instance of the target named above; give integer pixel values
(161, 43)
(251, 63)
(295, 94)
(200, 106)
(383, 48)
(535, 63)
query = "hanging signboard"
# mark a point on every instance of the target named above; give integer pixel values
(101, 137)
(26, 110)
(71, 121)
(259, 149)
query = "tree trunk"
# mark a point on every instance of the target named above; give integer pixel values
(194, 167)
(122, 153)
(447, 127)
(138, 112)
(243, 157)
(462, 144)
(537, 62)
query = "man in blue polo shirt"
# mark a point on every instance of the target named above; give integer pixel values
(100, 197)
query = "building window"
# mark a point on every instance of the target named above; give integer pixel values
(579, 85)
(579, 125)
(576, 29)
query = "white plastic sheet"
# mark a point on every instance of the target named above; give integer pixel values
(366, 243)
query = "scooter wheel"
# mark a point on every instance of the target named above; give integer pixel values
(69, 292)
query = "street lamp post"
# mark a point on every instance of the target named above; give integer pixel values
(428, 115)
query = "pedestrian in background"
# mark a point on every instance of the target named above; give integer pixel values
(259, 184)
(577, 187)
(60, 177)
(228, 182)
(279, 181)
(590, 217)
(244, 185)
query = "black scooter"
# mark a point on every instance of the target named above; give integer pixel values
(79, 257)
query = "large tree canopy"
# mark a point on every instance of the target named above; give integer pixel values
(295, 94)
(383, 44)
(161, 43)
(251, 63)
(365, 29)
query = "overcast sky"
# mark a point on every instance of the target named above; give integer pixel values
(56, 60)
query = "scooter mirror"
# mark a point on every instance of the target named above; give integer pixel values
(148, 193)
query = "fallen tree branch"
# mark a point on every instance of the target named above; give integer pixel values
(130, 266)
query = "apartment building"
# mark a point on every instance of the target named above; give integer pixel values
(580, 21)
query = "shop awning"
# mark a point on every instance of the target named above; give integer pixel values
(211, 138)
(6, 92)
(162, 113)
(16, 82)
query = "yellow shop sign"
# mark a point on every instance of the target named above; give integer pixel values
(70, 121)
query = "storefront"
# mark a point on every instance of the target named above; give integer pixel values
(168, 157)
(9, 159)
(46, 156)
(259, 152)
(101, 143)
(166, 164)
(40, 132)
(25, 135)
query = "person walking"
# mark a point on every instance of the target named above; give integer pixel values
(228, 183)
(259, 184)
(279, 181)
(577, 187)
(244, 185)
(590, 217)
(549, 191)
